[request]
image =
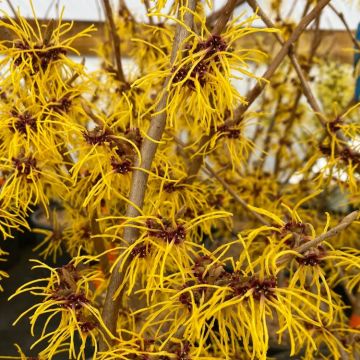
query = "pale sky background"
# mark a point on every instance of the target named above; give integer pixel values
(91, 9)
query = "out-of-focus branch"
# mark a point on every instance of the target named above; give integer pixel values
(213, 17)
(260, 86)
(216, 175)
(306, 89)
(315, 43)
(304, 84)
(115, 40)
(13, 10)
(147, 6)
(348, 30)
(224, 17)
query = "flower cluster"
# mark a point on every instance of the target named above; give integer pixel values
(198, 227)
(67, 297)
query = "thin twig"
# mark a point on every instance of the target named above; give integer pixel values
(291, 119)
(115, 40)
(344, 223)
(139, 181)
(47, 11)
(260, 86)
(123, 8)
(13, 10)
(226, 186)
(343, 20)
(147, 6)
(305, 85)
(75, 75)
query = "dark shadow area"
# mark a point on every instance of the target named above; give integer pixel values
(18, 267)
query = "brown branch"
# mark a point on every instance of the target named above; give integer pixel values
(224, 16)
(343, 20)
(139, 182)
(124, 9)
(215, 15)
(147, 7)
(344, 223)
(75, 75)
(13, 10)
(216, 175)
(115, 40)
(291, 119)
(306, 89)
(260, 86)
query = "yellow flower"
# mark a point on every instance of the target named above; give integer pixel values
(176, 195)
(231, 142)
(37, 51)
(104, 164)
(3, 274)
(202, 79)
(335, 339)
(348, 260)
(66, 295)
(22, 356)
(337, 157)
(30, 179)
(334, 75)
(163, 247)
(11, 219)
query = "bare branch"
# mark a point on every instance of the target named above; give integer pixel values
(343, 20)
(147, 6)
(305, 85)
(345, 222)
(224, 17)
(13, 10)
(115, 40)
(215, 15)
